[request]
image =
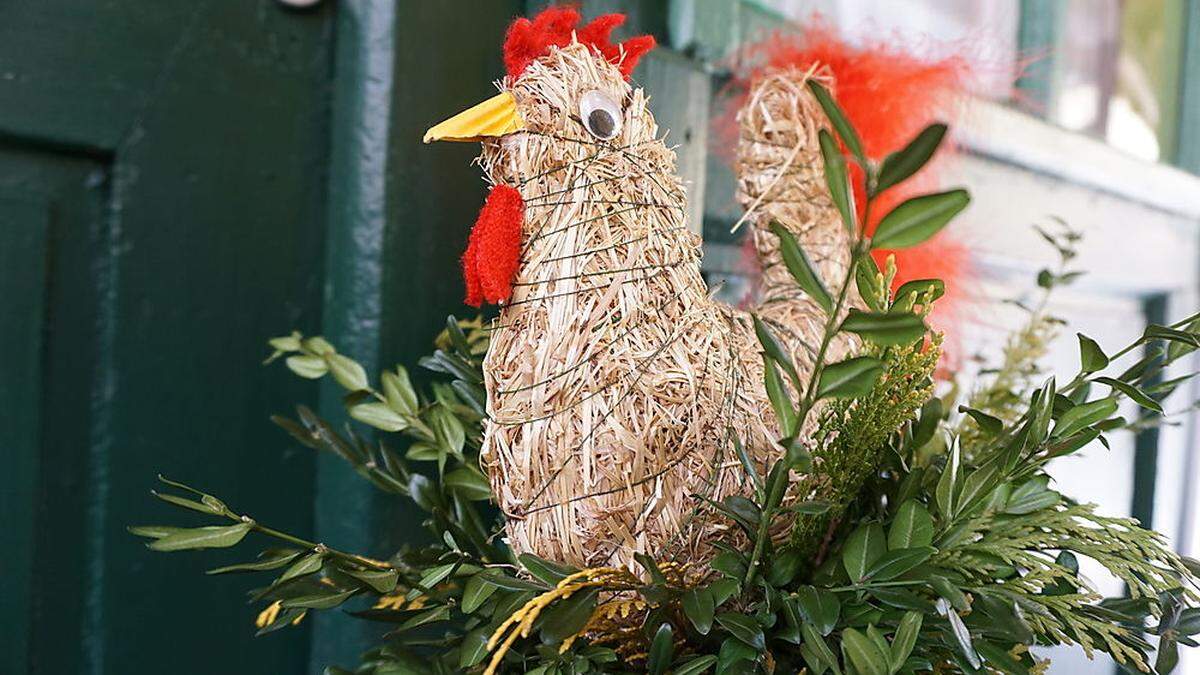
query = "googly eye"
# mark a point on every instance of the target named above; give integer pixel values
(600, 114)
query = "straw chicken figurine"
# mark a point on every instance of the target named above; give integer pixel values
(615, 383)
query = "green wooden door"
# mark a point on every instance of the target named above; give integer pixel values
(178, 182)
(162, 199)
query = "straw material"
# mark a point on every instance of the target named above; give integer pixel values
(614, 382)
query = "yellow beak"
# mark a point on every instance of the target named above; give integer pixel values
(496, 116)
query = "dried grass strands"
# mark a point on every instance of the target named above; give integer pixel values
(781, 179)
(614, 381)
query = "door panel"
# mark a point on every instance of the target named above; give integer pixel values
(23, 225)
(162, 199)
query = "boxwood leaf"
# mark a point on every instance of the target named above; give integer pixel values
(837, 118)
(801, 267)
(864, 653)
(1136, 395)
(772, 349)
(743, 628)
(863, 547)
(568, 616)
(918, 219)
(905, 639)
(476, 592)
(912, 526)
(851, 378)
(698, 607)
(661, 649)
(885, 328)
(902, 164)
(895, 563)
(1091, 356)
(836, 178)
(1083, 415)
(696, 665)
(217, 536)
(819, 607)
(544, 570)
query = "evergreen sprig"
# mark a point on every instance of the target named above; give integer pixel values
(920, 541)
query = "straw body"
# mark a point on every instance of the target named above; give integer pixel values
(614, 382)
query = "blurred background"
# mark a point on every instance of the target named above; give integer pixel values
(180, 181)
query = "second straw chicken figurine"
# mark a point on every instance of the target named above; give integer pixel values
(614, 382)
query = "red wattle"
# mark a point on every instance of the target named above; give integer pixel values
(493, 252)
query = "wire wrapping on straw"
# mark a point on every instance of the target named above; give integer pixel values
(614, 380)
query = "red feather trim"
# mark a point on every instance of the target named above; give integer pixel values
(493, 252)
(527, 41)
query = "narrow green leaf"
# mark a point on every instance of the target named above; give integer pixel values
(838, 119)
(947, 484)
(476, 592)
(918, 219)
(743, 628)
(698, 607)
(900, 165)
(885, 329)
(661, 649)
(382, 581)
(346, 371)
(183, 502)
(695, 666)
(568, 616)
(153, 531)
(378, 415)
(772, 349)
(308, 367)
(473, 648)
(863, 547)
(544, 570)
(951, 593)
(1184, 338)
(961, 635)
(219, 536)
(866, 277)
(928, 290)
(912, 526)
(814, 641)
(819, 607)
(905, 639)
(992, 426)
(469, 483)
(1083, 415)
(432, 615)
(320, 600)
(1136, 395)
(864, 653)
(430, 580)
(1032, 495)
(306, 565)
(851, 378)
(801, 267)
(399, 392)
(777, 394)
(837, 179)
(978, 484)
(777, 482)
(895, 563)
(748, 464)
(1091, 356)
